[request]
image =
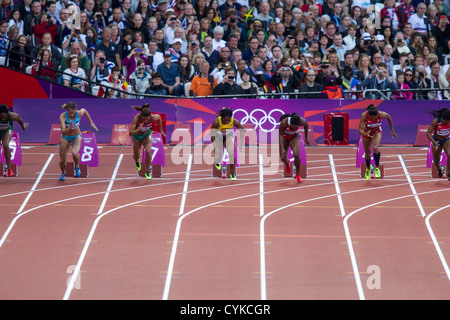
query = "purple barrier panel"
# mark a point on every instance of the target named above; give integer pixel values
(430, 156)
(42, 113)
(360, 154)
(16, 150)
(290, 156)
(158, 153)
(88, 149)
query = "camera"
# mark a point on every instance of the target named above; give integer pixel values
(379, 71)
(138, 49)
(285, 69)
(421, 75)
(102, 60)
(232, 20)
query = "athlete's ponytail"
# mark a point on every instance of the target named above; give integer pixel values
(444, 113)
(69, 105)
(145, 109)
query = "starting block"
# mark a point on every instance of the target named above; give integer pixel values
(434, 172)
(70, 169)
(16, 151)
(158, 156)
(14, 168)
(363, 171)
(303, 171)
(443, 161)
(156, 171)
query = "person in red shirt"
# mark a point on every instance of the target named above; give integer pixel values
(289, 134)
(439, 134)
(370, 130)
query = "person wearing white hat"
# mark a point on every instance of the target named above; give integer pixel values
(176, 49)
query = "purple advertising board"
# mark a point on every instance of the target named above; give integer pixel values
(88, 149)
(263, 114)
(158, 153)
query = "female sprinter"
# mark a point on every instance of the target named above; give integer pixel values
(6, 121)
(222, 135)
(69, 122)
(370, 130)
(141, 131)
(288, 133)
(439, 134)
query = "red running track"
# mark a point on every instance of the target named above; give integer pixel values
(187, 235)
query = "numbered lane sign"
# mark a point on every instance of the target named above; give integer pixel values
(158, 153)
(89, 149)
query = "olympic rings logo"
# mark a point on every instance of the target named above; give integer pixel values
(260, 121)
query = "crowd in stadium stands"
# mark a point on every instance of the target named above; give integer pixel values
(329, 49)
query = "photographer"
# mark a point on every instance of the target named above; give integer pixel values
(137, 53)
(46, 25)
(101, 68)
(109, 87)
(379, 79)
(227, 86)
(140, 79)
(285, 81)
(401, 66)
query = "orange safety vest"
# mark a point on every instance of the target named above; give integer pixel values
(334, 94)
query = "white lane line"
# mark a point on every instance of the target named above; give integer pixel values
(262, 249)
(24, 203)
(411, 185)
(111, 182)
(435, 242)
(347, 232)
(76, 271)
(336, 185)
(186, 182)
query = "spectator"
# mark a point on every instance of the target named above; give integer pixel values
(332, 90)
(203, 84)
(19, 55)
(227, 86)
(74, 76)
(417, 20)
(435, 80)
(43, 66)
(379, 80)
(285, 81)
(155, 58)
(311, 86)
(140, 79)
(101, 67)
(349, 84)
(130, 61)
(46, 44)
(249, 87)
(46, 24)
(157, 87)
(3, 37)
(76, 50)
(113, 86)
(170, 75)
(175, 50)
(217, 42)
(211, 55)
(402, 95)
(109, 48)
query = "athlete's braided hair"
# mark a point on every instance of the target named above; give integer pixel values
(225, 112)
(4, 108)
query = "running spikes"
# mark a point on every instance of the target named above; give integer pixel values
(137, 164)
(77, 172)
(377, 173)
(233, 176)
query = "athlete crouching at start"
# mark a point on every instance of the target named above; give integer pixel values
(289, 133)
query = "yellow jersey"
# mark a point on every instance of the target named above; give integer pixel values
(224, 127)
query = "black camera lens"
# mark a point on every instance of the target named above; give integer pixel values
(102, 60)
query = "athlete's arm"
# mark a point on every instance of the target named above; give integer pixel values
(134, 129)
(430, 133)
(305, 125)
(157, 117)
(362, 125)
(213, 130)
(238, 126)
(84, 112)
(387, 116)
(15, 117)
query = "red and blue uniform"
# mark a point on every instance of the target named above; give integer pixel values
(289, 133)
(372, 126)
(441, 132)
